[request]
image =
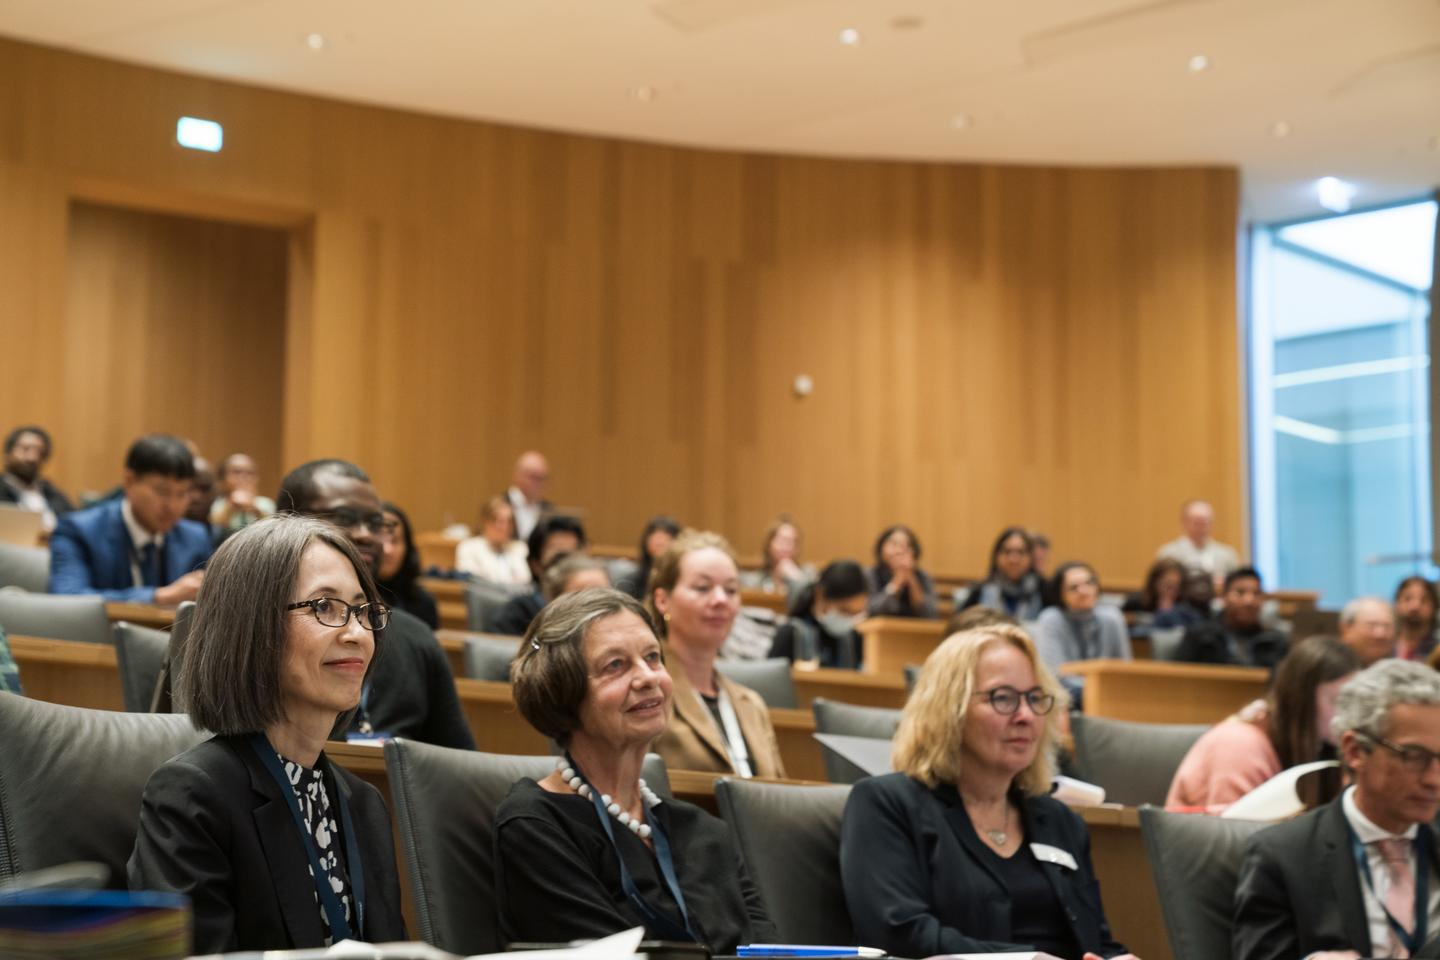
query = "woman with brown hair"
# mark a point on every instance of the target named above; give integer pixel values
(1290, 727)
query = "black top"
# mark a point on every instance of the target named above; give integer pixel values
(1213, 642)
(557, 877)
(514, 618)
(59, 503)
(407, 595)
(803, 630)
(411, 692)
(919, 882)
(1042, 921)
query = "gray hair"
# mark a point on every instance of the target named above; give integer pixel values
(1365, 701)
(1351, 610)
(558, 574)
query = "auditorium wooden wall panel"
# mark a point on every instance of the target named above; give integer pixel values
(989, 344)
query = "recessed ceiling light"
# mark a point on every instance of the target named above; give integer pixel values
(1199, 63)
(315, 41)
(961, 121)
(1335, 194)
(1280, 129)
(850, 36)
(644, 93)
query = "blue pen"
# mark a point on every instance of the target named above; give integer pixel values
(804, 950)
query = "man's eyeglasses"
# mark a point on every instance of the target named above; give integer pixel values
(1006, 700)
(347, 518)
(333, 612)
(1414, 758)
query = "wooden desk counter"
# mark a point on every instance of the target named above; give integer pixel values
(848, 686)
(1152, 691)
(893, 643)
(141, 614)
(494, 720)
(69, 672)
(775, 602)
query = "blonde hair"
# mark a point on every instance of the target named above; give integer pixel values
(665, 574)
(928, 743)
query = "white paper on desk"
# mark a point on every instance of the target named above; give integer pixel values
(1276, 798)
(617, 946)
(620, 946)
(868, 753)
(993, 956)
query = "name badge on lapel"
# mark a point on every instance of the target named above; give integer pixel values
(1048, 854)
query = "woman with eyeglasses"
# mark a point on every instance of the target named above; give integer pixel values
(276, 847)
(1079, 627)
(962, 850)
(399, 573)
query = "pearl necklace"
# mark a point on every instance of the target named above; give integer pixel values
(574, 781)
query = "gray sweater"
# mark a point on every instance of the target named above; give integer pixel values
(1059, 641)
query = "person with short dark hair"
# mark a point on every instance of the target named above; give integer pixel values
(1356, 877)
(589, 850)
(275, 846)
(137, 548)
(399, 573)
(556, 535)
(823, 617)
(1416, 605)
(1237, 637)
(27, 450)
(660, 531)
(898, 587)
(1012, 585)
(414, 695)
(202, 492)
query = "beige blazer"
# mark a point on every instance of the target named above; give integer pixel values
(693, 741)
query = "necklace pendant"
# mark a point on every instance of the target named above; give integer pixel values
(997, 837)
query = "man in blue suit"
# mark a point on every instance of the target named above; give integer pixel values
(136, 547)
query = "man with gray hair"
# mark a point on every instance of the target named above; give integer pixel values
(1357, 877)
(1367, 626)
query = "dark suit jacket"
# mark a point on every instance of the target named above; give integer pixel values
(1207, 642)
(215, 827)
(90, 553)
(1299, 890)
(917, 882)
(59, 503)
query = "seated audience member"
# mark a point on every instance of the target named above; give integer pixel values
(1039, 554)
(526, 495)
(898, 587)
(495, 555)
(1237, 637)
(718, 725)
(589, 850)
(1079, 627)
(136, 548)
(27, 450)
(554, 536)
(573, 572)
(399, 573)
(1416, 603)
(413, 694)
(1163, 594)
(1012, 585)
(821, 629)
(1290, 727)
(202, 492)
(276, 847)
(780, 568)
(941, 856)
(1367, 626)
(239, 503)
(655, 539)
(1350, 879)
(9, 671)
(1195, 548)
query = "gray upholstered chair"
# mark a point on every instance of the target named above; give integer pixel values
(140, 653)
(488, 658)
(769, 678)
(54, 616)
(445, 802)
(71, 781)
(1134, 762)
(1165, 643)
(1196, 861)
(25, 567)
(483, 602)
(789, 838)
(847, 719)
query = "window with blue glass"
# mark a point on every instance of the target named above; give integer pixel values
(1339, 377)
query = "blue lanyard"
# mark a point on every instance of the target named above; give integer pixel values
(1412, 941)
(654, 919)
(334, 910)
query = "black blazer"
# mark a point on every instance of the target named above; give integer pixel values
(917, 883)
(1299, 890)
(214, 826)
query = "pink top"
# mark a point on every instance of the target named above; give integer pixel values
(1228, 761)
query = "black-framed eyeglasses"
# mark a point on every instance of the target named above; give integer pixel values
(348, 518)
(1006, 700)
(334, 612)
(1413, 757)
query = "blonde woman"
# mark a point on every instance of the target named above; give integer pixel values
(963, 850)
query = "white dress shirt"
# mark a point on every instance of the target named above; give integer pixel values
(527, 514)
(1368, 832)
(476, 557)
(1214, 557)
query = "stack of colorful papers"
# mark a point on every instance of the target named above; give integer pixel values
(85, 924)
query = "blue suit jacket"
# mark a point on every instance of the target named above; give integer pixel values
(90, 553)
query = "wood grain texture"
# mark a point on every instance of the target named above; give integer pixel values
(989, 344)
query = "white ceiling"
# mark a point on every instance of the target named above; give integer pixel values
(1042, 81)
